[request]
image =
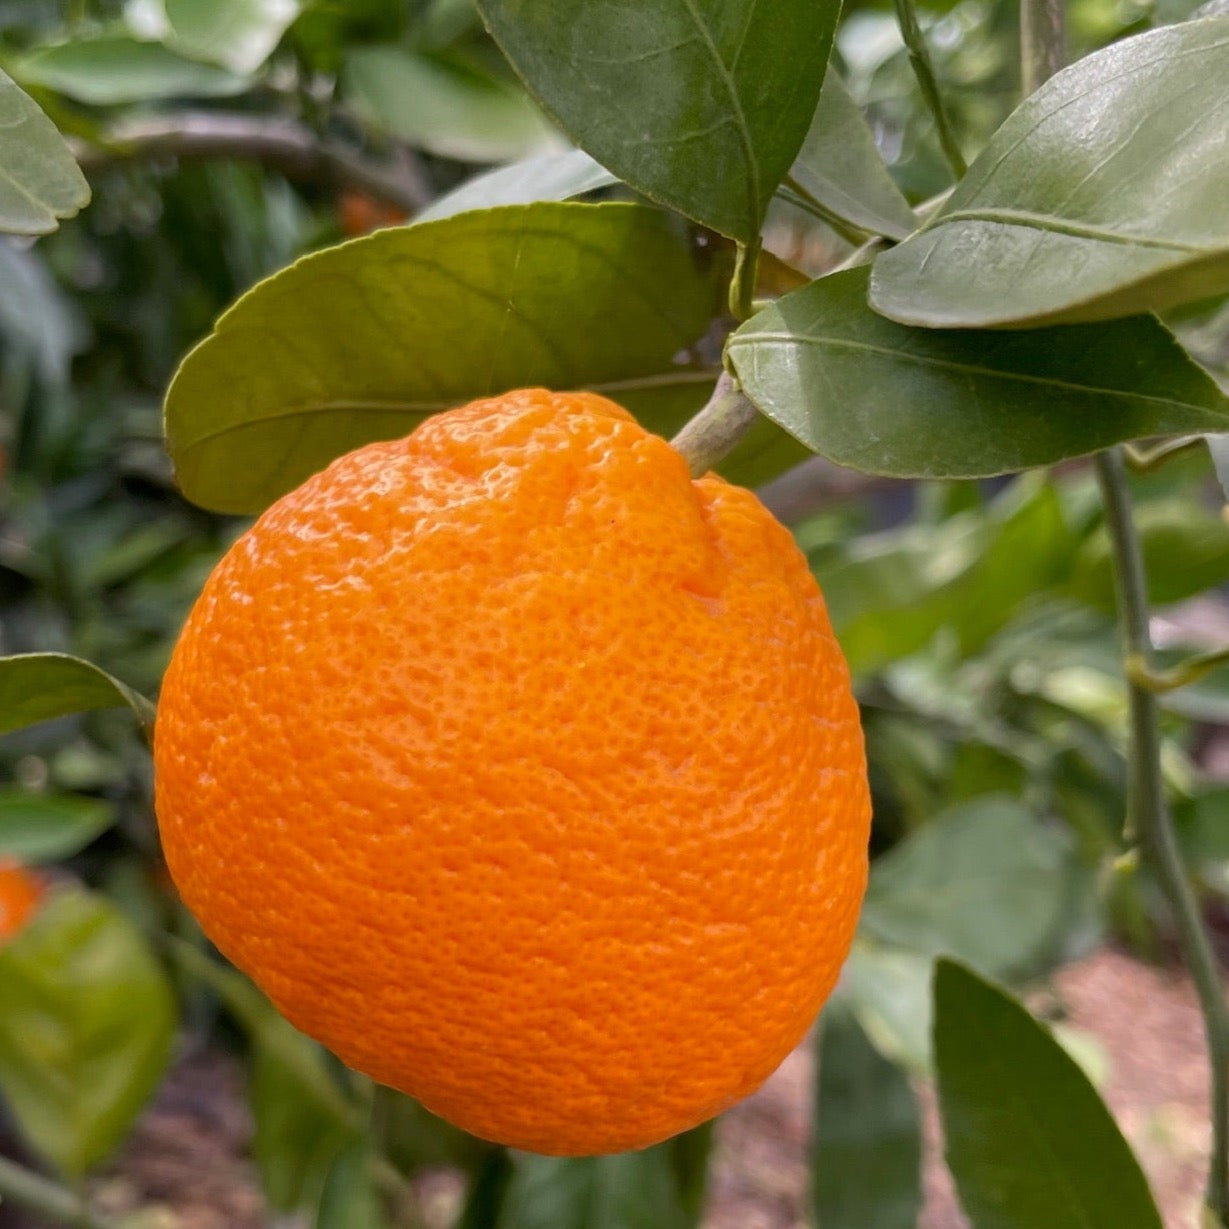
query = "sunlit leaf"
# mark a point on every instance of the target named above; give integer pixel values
(37, 687)
(1102, 196)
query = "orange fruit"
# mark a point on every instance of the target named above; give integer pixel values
(523, 772)
(358, 214)
(21, 892)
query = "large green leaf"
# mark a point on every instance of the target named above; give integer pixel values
(39, 181)
(443, 105)
(866, 1146)
(887, 399)
(115, 69)
(841, 170)
(1103, 195)
(986, 882)
(363, 341)
(546, 177)
(238, 34)
(46, 827)
(631, 1190)
(1029, 1141)
(700, 104)
(86, 1024)
(37, 687)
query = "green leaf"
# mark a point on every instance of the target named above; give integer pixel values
(1029, 1141)
(1101, 196)
(699, 104)
(302, 1116)
(37, 687)
(443, 105)
(922, 403)
(840, 168)
(112, 69)
(987, 882)
(888, 989)
(1186, 550)
(631, 1190)
(1218, 446)
(349, 1199)
(547, 177)
(363, 341)
(46, 827)
(866, 1147)
(86, 1024)
(890, 593)
(39, 181)
(238, 34)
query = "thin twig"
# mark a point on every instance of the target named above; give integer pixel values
(923, 70)
(717, 428)
(1043, 41)
(282, 144)
(1149, 819)
(47, 1198)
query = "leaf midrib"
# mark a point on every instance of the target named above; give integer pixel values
(1062, 226)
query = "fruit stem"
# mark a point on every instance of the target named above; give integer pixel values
(717, 428)
(1149, 817)
(46, 1197)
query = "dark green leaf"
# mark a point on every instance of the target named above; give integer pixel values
(86, 1024)
(987, 882)
(45, 827)
(363, 341)
(699, 104)
(632, 1190)
(866, 1147)
(442, 105)
(886, 399)
(1029, 1141)
(115, 69)
(841, 169)
(1186, 550)
(36, 687)
(689, 1156)
(349, 1199)
(39, 181)
(1101, 196)
(548, 177)
(238, 34)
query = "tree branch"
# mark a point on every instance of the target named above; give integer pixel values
(283, 145)
(717, 428)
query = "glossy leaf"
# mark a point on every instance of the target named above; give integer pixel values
(85, 1030)
(363, 341)
(699, 104)
(547, 177)
(866, 1146)
(443, 105)
(1029, 1141)
(986, 882)
(37, 687)
(115, 69)
(631, 1190)
(1101, 196)
(46, 827)
(841, 169)
(39, 181)
(877, 396)
(238, 34)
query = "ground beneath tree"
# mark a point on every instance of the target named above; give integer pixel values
(1141, 1026)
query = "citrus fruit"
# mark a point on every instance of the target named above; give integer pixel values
(20, 894)
(523, 771)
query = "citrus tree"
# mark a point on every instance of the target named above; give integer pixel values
(690, 215)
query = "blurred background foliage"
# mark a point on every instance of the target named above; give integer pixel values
(978, 617)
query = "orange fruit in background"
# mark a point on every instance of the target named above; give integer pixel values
(523, 772)
(21, 892)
